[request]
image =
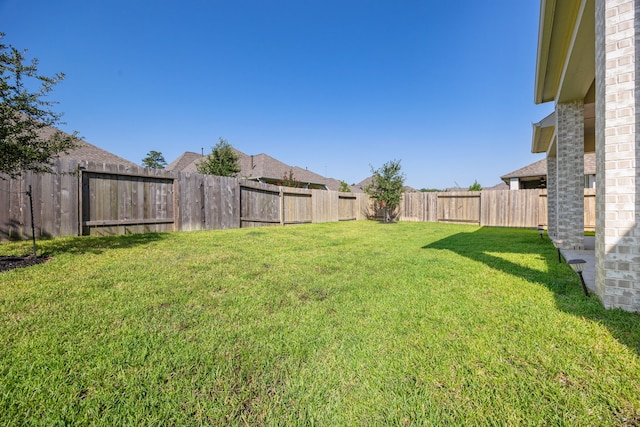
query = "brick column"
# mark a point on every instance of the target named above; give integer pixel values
(570, 179)
(617, 154)
(552, 197)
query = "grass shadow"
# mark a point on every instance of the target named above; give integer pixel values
(97, 245)
(559, 278)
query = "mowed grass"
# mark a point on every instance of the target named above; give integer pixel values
(354, 323)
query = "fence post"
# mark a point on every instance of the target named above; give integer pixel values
(480, 210)
(281, 193)
(177, 219)
(33, 227)
(80, 195)
(203, 212)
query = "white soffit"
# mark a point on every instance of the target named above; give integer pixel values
(579, 68)
(565, 64)
(543, 133)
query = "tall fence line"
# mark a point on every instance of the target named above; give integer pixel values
(100, 199)
(503, 208)
(83, 198)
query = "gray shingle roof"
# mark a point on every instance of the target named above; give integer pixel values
(362, 186)
(257, 166)
(186, 162)
(88, 152)
(539, 168)
(497, 187)
(91, 153)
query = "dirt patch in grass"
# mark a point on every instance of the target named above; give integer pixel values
(11, 262)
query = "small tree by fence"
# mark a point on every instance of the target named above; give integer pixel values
(386, 188)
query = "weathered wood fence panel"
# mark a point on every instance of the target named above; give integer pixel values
(331, 206)
(126, 200)
(325, 206)
(542, 209)
(459, 206)
(521, 208)
(297, 206)
(362, 206)
(589, 209)
(347, 207)
(259, 204)
(419, 207)
(55, 203)
(190, 202)
(511, 208)
(9, 194)
(221, 201)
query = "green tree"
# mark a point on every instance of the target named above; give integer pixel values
(26, 118)
(154, 160)
(386, 188)
(475, 186)
(344, 187)
(222, 161)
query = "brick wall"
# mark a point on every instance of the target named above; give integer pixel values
(617, 154)
(552, 197)
(570, 176)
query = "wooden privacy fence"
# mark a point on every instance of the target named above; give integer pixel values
(504, 208)
(116, 200)
(102, 199)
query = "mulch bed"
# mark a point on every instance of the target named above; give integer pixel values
(11, 262)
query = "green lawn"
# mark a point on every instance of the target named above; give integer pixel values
(354, 323)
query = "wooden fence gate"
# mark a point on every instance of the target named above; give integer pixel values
(116, 202)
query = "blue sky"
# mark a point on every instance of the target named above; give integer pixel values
(335, 86)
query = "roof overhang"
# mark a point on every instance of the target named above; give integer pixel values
(565, 65)
(278, 181)
(543, 134)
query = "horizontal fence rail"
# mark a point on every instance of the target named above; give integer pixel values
(83, 198)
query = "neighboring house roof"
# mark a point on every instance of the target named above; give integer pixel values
(497, 187)
(259, 167)
(186, 162)
(539, 169)
(262, 166)
(536, 169)
(308, 176)
(91, 153)
(87, 152)
(362, 186)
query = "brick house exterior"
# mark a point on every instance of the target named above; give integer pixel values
(586, 65)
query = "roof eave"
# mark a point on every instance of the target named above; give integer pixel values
(565, 55)
(547, 10)
(543, 132)
(270, 180)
